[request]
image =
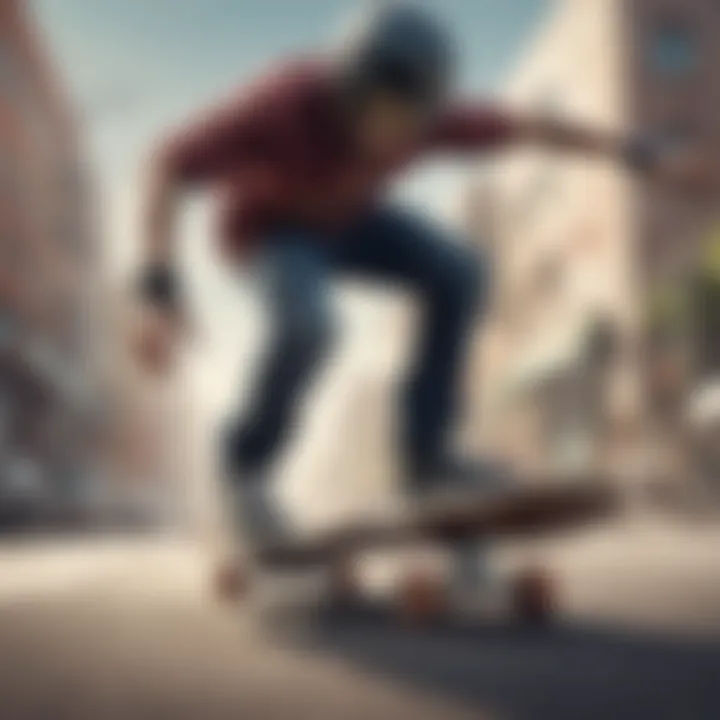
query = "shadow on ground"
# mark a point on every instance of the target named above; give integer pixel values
(565, 672)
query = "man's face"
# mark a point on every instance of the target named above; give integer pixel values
(387, 123)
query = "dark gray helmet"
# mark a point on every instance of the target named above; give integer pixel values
(400, 47)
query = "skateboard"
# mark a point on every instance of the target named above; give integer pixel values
(466, 526)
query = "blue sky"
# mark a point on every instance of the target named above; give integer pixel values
(136, 65)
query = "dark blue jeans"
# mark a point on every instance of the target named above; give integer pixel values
(386, 245)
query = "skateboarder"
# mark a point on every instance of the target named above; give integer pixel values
(300, 163)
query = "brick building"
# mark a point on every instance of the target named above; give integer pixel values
(591, 263)
(46, 273)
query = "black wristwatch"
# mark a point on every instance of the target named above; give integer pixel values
(159, 285)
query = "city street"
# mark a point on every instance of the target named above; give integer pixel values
(123, 629)
(248, 256)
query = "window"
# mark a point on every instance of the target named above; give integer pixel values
(10, 76)
(673, 52)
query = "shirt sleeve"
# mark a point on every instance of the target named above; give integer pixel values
(473, 127)
(228, 136)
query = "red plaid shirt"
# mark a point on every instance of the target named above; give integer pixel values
(278, 155)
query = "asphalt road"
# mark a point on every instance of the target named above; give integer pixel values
(98, 630)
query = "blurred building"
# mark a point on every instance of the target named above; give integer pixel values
(47, 271)
(602, 316)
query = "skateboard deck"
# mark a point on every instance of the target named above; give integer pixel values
(507, 512)
(462, 523)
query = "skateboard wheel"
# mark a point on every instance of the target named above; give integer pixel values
(231, 581)
(533, 597)
(421, 597)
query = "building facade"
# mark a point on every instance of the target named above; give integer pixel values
(591, 263)
(46, 276)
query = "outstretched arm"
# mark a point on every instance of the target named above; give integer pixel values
(676, 165)
(559, 135)
(476, 127)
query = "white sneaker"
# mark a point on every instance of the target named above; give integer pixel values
(452, 485)
(256, 515)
